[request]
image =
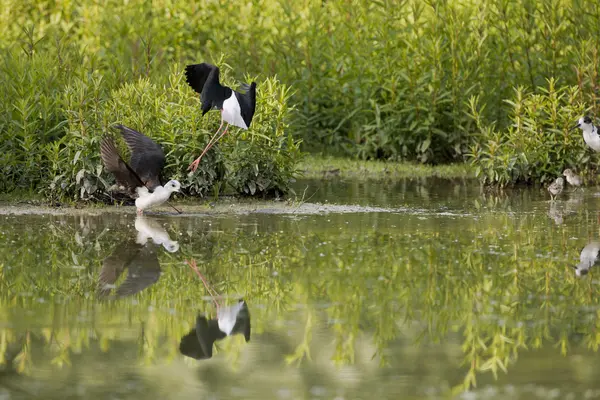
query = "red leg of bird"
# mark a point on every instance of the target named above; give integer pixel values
(213, 293)
(193, 166)
(219, 138)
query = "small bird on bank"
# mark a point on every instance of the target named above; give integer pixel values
(236, 108)
(556, 187)
(590, 132)
(572, 178)
(142, 179)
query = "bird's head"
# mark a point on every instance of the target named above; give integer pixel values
(173, 186)
(584, 123)
(567, 172)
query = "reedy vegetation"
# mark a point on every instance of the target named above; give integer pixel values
(373, 79)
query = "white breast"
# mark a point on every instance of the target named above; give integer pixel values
(232, 113)
(592, 139)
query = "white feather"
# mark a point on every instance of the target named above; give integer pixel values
(232, 113)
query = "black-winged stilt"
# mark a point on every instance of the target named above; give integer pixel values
(236, 108)
(590, 132)
(572, 178)
(556, 187)
(143, 178)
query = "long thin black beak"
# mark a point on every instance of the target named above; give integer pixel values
(575, 127)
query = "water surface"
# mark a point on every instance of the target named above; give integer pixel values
(444, 291)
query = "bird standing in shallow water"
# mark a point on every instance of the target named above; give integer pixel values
(236, 108)
(572, 178)
(556, 187)
(590, 132)
(147, 162)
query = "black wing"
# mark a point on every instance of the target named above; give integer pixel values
(113, 162)
(204, 79)
(247, 102)
(197, 74)
(147, 157)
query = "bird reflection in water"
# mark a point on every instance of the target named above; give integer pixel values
(139, 257)
(231, 320)
(588, 258)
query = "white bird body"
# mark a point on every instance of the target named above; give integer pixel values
(592, 138)
(150, 229)
(590, 132)
(232, 112)
(159, 196)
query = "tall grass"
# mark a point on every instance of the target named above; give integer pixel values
(371, 79)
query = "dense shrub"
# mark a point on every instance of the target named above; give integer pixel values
(539, 144)
(372, 79)
(54, 127)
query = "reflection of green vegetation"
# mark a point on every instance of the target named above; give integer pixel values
(325, 166)
(385, 286)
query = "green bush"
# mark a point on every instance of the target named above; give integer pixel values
(170, 114)
(371, 79)
(54, 133)
(539, 144)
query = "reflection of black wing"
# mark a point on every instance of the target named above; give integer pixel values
(142, 272)
(124, 174)
(147, 157)
(198, 343)
(114, 265)
(141, 262)
(242, 322)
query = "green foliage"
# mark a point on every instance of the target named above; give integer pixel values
(54, 132)
(383, 79)
(538, 145)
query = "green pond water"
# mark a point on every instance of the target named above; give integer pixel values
(423, 289)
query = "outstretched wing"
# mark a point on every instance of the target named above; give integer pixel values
(147, 157)
(124, 174)
(204, 79)
(197, 74)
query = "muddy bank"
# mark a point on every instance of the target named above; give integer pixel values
(265, 207)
